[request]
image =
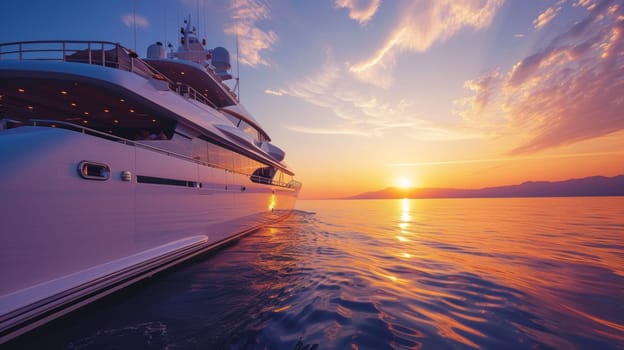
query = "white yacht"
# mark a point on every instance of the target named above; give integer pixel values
(114, 168)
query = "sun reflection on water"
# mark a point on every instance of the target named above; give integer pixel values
(405, 211)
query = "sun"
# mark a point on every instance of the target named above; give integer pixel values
(405, 183)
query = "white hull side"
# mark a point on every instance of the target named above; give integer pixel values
(66, 240)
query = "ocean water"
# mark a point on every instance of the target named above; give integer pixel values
(522, 273)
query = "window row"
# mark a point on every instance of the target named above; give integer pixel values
(247, 128)
(227, 159)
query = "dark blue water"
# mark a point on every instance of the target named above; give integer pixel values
(543, 273)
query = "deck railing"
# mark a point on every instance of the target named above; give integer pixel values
(101, 53)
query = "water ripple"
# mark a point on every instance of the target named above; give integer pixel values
(408, 274)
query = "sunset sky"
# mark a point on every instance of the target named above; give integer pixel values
(368, 94)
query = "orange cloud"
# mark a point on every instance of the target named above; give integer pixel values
(361, 11)
(571, 90)
(252, 39)
(423, 24)
(545, 17)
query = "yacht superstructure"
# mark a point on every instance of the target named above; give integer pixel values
(116, 167)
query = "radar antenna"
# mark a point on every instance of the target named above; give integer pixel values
(134, 23)
(237, 86)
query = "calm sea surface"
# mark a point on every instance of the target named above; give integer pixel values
(530, 273)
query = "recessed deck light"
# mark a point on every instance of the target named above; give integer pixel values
(21, 90)
(85, 121)
(106, 110)
(153, 120)
(85, 113)
(63, 92)
(122, 100)
(30, 107)
(73, 104)
(131, 110)
(116, 121)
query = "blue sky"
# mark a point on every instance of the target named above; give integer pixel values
(363, 94)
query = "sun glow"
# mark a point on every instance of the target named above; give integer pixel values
(405, 183)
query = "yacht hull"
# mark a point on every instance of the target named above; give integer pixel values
(69, 238)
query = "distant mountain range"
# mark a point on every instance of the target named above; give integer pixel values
(588, 186)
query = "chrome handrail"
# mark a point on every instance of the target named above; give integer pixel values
(64, 51)
(38, 47)
(186, 90)
(89, 131)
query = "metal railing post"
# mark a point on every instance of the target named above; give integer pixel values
(89, 50)
(131, 63)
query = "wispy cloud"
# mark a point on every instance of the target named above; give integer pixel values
(360, 10)
(362, 113)
(505, 159)
(569, 91)
(545, 17)
(252, 39)
(330, 131)
(589, 4)
(485, 88)
(354, 110)
(426, 130)
(129, 20)
(422, 24)
(279, 92)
